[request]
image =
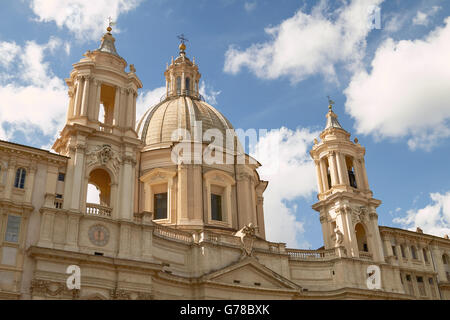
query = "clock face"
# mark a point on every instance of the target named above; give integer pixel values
(99, 235)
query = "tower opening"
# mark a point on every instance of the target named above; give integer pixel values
(351, 172)
(107, 100)
(178, 85)
(188, 85)
(361, 238)
(101, 180)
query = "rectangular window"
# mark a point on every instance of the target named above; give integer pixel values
(12, 229)
(160, 204)
(216, 207)
(403, 251)
(430, 281)
(394, 251)
(61, 176)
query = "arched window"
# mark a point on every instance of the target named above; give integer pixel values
(20, 178)
(98, 197)
(444, 259)
(178, 85)
(413, 252)
(361, 238)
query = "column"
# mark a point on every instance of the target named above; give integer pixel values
(78, 176)
(183, 83)
(71, 103)
(358, 174)
(10, 178)
(115, 121)
(133, 112)
(325, 231)
(319, 177)
(364, 173)
(76, 109)
(387, 244)
(126, 191)
(332, 166)
(324, 175)
(182, 203)
(96, 109)
(129, 108)
(85, 101)
(260, 215)
(31, 172)
(343, 167)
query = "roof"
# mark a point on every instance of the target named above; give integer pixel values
(160, 122)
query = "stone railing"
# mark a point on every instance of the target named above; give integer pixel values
(365, 255)
(296, 254)
(93, 209)
(173, 234)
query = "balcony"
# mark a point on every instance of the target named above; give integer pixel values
(365, 255)
(296, 254)
(93, 209)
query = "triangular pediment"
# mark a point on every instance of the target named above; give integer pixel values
(250, 273)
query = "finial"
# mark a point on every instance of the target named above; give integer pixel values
(183, 39)
(330, 103)
(110, 24)
(356, 140)
(446, 237)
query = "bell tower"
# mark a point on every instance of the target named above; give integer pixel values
(346, 204)
(99, 136)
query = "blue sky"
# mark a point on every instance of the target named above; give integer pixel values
(271, 65)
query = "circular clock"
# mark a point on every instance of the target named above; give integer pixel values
(99, 235)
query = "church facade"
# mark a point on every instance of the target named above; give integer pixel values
(180, 213)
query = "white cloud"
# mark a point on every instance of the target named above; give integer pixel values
(8, 51)
(407, 92)
(422, 18)
(86, 19)
(307, 44)
(208, 93)
(433, 219)
(287, 166)
(249, 6)
(147, 99)
(32, 99)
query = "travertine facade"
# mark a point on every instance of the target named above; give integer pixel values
(167, 228)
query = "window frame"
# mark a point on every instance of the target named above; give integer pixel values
(5, 239)
(152, 181)
(219, 207)
(218, 178)
(155, 207)
(20, 178)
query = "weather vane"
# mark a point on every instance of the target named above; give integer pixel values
(110, 23)
(182, 38)
(330, 103)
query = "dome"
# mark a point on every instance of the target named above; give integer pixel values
(180, 112)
